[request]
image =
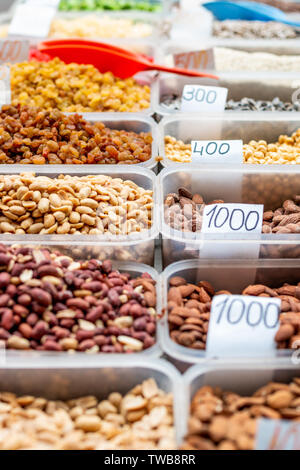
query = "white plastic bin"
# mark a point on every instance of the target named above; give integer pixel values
(58, 381)
(137, 247)
(269, 185)
(64, 358)
(131, 122)
(232, 275)
(258, 87)
(246, 126)
(244, 379)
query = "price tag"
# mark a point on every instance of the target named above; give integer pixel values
(198, 98)
(33, 19)
(5, 91)
(232, 218)
(13, 51)
(242, 325)
(217, 151)
(276, 434)
(195, 60)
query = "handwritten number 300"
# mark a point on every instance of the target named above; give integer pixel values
(200, 95)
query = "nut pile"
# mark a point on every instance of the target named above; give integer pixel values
(93, 204)
(285, 219)
(173, 102)
(223, 420)
(177, 150)
(75, 88)
(189, 311)
(232, 60)
(284, 151)
(253, 29)
(49, 302)
(141, 419)
(184, 211)
(33, 135)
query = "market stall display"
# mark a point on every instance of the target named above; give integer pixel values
(113, 251)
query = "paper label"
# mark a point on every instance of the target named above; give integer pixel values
(232, 218)
(242, 325)
(198, 98)
(32, 20)
(195, 60)
(13, 51)
(217, 151)
(5, 91)
(276, 434)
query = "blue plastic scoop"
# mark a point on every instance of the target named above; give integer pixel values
(251, 11)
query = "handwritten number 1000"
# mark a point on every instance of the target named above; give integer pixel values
(237, 218)
(252, 310)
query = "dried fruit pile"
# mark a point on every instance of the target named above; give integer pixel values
(50, 302)
(33, 135)
(75, 88)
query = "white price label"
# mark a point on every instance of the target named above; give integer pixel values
(32, 20)
(217, 151)
(232, 218)
(198, 98)
(195, 60)
(5, 91)
(276, 434)
(13, 51)
(242, 325)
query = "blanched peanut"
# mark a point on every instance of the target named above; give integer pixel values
(87, 423)
(72, 204)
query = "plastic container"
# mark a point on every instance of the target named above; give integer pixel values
(59, 381)
(132, 122)
(141, 46)
(232, 275)
(135, 269)
(231, 125)
(151, 18)
(259, 87)
(270, 185)
(137, 247)
(165, 53)
(245, 379)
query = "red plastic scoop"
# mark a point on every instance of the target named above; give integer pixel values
(106, 57)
